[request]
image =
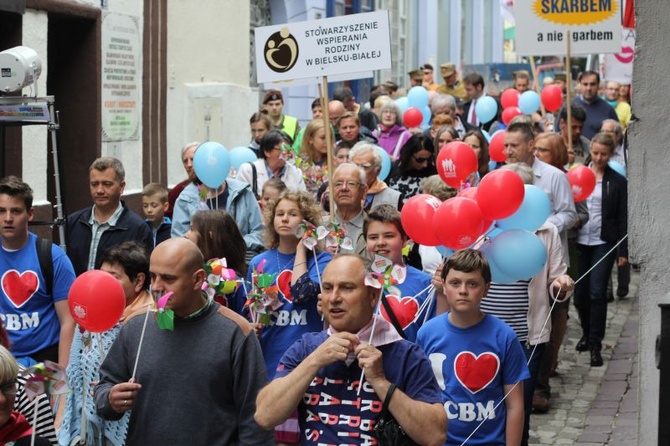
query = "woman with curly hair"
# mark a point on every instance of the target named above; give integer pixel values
(296, 275)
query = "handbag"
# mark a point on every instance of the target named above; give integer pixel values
(387, 429)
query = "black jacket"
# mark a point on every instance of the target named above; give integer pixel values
(78, 236)
(615, 210)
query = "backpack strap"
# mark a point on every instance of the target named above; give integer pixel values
(394, 320)
(46, 262)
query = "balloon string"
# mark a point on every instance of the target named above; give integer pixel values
(139, 347)
(544, 328)
(35, 414)
(372, 333)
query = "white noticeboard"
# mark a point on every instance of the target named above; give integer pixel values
(541, 26)
(338, 45)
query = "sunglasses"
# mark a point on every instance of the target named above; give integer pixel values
(420, 160)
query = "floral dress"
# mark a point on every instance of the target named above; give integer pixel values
(314, 174)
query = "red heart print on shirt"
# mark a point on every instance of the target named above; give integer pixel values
(405, 309)
(476, 372)
(284, 284)
(19, 288)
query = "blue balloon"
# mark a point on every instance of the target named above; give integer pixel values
(618, 168)
(496, 274)
(386, 163)
(533, 212)
(529, 102)
(403, 104)
(241, 155)
(425, 112)
(211, 163)
(446, 252)
(492, 165)
(486, 109)
(417, 97)
(519, 254)
(486, 134)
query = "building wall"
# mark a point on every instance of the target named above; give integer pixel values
(34, 137)
(648, 199)
(208, 72)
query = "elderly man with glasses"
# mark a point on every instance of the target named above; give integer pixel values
(366, 156)
(350, 189)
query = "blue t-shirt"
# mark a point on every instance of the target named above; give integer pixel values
(27, 311)
(292, 319)
(472, 365)
(331, 412)
(414, 294)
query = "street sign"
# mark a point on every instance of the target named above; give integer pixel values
(326, 47)
(541, 26)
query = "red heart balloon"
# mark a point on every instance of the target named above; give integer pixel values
(510, 113)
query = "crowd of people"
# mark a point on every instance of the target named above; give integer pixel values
(337, 325)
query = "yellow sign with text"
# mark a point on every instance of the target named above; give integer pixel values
(575, 12)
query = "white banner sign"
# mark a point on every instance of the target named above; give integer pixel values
(619, 66)
(541, 26)
(338, 45)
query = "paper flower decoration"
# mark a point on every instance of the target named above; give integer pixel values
(220, 281)
(385, 275)
(47, 377)
(263, 297)
(335, 236)
(164, 316)
(307, 232)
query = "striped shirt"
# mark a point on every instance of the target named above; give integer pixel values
(509, 302)
(45, 420)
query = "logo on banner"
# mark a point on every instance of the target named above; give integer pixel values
(281, 51)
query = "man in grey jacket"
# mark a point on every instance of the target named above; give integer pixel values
(195, 384)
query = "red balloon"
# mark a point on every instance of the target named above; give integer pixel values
(582, 182)
(510, 113)
(552, 97)
(468, 192)
(417, 217)
(500, 193)
(412, 117)
(509, 98)
(497, 147)
(455, 162)
(96, 301)
(458, 222)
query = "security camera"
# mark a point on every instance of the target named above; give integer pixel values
(19, 67)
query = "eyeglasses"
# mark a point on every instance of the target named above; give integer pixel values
(350, 184)
(542, 149)
(9, 388)
(422, 160)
